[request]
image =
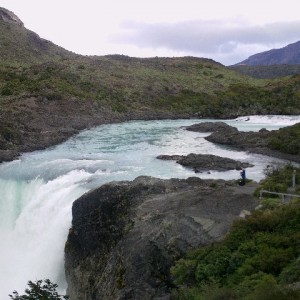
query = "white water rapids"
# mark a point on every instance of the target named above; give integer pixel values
(37, 191)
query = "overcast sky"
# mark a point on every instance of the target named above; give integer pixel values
(227, 31)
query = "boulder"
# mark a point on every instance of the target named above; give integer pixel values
(208, 127)
(125, 236)
(206, 162)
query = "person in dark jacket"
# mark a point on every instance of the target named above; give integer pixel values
(243, 175)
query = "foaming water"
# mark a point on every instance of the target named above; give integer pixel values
(37, 191)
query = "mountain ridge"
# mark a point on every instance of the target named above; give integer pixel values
(288, 55)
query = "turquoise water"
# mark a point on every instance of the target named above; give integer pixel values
(37, 191)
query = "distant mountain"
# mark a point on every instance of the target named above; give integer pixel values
(289, 55)
(18, 44)
(267, 72)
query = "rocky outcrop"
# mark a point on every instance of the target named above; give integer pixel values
(255, 142)
(225, 134)
(208, 127)
(240, 139)
(206, 162)
(9, 17)
(125, 236)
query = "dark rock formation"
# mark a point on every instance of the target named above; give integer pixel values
(225, 134)
(239, 139)
(206, 162)
(125, 236)
(255, 142)
(208, 127)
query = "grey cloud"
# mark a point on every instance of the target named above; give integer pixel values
(207, 37)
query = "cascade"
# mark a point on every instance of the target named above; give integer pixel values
(37, 191)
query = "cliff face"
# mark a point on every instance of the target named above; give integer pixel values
(125, 236)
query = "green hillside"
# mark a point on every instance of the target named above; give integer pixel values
(258, 259)
(19, 45)
(47, 93)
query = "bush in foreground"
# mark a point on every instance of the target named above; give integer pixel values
(259, 258)
(39, 290)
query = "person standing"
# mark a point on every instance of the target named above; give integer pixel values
(243, 175)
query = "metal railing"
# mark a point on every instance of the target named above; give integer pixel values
(284, 196)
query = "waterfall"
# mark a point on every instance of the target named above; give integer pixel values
(35, 218)
(37, 191)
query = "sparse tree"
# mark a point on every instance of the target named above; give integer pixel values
(39, 290)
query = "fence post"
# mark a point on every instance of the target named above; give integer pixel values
(294, 179)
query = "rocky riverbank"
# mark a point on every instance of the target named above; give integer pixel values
(125, 236)
(255, 142)
(39, 122)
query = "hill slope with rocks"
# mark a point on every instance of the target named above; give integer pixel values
(48, 93)
(20, 45)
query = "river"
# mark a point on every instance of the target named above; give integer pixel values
(37, 190)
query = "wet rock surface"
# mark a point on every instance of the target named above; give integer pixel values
(208, 127)
(125, 236)
(206, 162)
(255, 142)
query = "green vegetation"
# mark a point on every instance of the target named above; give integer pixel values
(160, 84)
(39, 290)
(259, 258)
(279, 179)
(287, 140)
(31, 66)
(41, 83)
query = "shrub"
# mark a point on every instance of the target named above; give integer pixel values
(39, 290)
(270, 203)
(291, 273)
(260, 250)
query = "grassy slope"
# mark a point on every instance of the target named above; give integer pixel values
(20, 46)
(259, 259)
(144, 81)
(286, 140)
(31, 66)
(43, 84)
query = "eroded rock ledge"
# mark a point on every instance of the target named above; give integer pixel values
(125, 236)
(255, 142)
(206, 162)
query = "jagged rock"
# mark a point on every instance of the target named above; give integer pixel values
(8, 155)
(206, 162)
(125, 236)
